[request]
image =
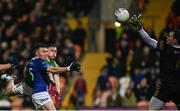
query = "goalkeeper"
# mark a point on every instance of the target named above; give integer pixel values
(169, 49)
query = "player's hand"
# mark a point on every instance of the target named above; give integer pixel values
(135, 21)
(13, 59)
(75, 67)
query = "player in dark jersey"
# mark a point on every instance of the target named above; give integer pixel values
(12, 62)
(169, 49)
(25, 87)
(39, 69)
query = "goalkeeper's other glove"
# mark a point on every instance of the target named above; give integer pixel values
(74, 67)
(13, 59)
(134, 21)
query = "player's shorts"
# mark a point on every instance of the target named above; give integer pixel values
(22, 89)
(40, 99)
(167, 92)
(53, 93)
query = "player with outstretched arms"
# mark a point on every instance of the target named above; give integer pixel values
(36, 79)
(39, 68)
(169, 49)
(54, 86)
(26, 86)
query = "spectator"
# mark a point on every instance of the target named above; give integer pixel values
(136, 77)
(73, 99)
(80, 89)
(79, 36)
(129, 100)
(114, 100)
(141, 90)
(102, 80)
(97, 98)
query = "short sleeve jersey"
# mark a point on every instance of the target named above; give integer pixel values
(38, 69)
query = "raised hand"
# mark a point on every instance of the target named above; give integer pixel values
(13, 59)
(75, 67)
(135, 21)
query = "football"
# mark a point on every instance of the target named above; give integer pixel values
(121, 15)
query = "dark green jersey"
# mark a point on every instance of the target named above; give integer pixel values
(28, 77)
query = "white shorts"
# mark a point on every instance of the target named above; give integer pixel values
(40, 99)
(22, 89)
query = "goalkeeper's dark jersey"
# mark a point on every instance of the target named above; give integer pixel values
(169, 63)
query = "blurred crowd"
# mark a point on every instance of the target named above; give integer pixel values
(129, 78)
(130, 74)
(24, 23)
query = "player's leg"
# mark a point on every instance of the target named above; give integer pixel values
(54, 90)
(57, 97)
(52, 87)
(161, 96)
(43, 100)
(155, 104)
(10, 85)
(54, 95)
(49, 106)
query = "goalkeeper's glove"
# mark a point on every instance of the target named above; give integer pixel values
(13, 59)
(74, 67)
(135, 21)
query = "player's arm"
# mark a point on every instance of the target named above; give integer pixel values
(152, 42)
(4, 67)
(12, 62)
(72, 66)
(57, 69)
(134, 21)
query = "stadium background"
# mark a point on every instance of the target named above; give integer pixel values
(119, 70)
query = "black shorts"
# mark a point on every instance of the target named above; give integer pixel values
(168, 92)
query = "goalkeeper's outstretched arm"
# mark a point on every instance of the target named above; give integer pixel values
(134, 21)
(152, 42)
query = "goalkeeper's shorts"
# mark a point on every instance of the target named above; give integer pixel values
(168, 92)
